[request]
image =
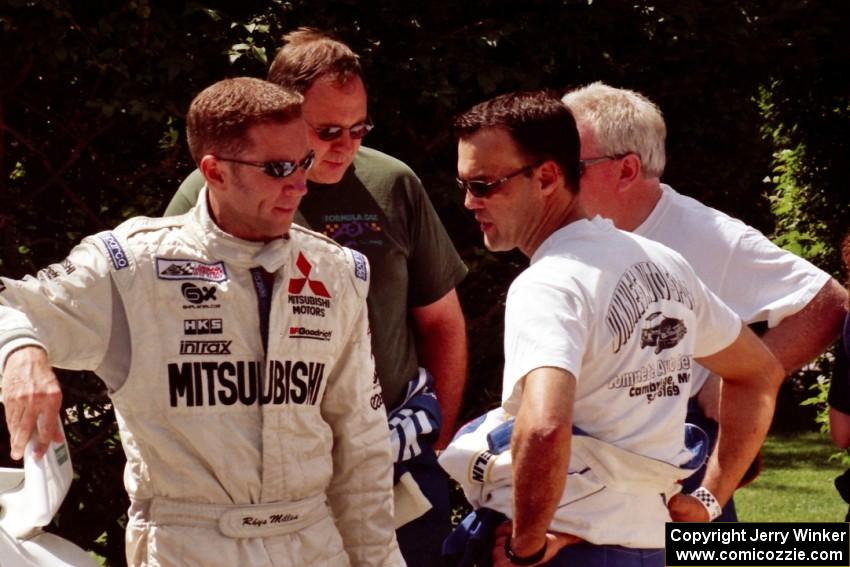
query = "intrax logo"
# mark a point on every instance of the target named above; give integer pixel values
(296, 285)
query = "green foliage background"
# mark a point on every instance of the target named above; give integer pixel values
(93, 95)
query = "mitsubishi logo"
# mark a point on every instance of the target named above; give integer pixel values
(296, 285)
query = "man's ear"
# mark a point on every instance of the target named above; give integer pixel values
(631, 169)
(549, 173)
(211, 169)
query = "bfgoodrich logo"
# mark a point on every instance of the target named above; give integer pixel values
(304, 333)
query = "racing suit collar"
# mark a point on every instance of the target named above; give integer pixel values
(221, 245)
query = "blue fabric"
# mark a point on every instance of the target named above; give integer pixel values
(709, 426)
(414, 426)
(471, 543)
(421, 540)
(416, 421)
(606, 556)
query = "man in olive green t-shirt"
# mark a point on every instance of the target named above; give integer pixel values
(371, 202)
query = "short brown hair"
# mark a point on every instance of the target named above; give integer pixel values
(222, 113)
(538, 122)
(309, 54)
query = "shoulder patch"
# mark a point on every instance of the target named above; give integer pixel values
(177, 269)
(361, 265)
(115, 251)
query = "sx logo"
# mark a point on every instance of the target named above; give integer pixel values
(196, 295)
(296, 285)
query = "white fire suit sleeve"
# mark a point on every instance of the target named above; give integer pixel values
(66, 309)
(360, 493)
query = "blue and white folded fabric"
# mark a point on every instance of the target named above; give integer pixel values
(612, 496)
(416, 420)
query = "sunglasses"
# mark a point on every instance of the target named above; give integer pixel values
(357, 132)
(483, 188)
(585, 163)
(278, 169)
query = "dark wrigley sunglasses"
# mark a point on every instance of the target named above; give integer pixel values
(483, 188)
(277, 169)
(357, 132)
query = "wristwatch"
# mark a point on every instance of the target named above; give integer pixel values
(528, 559)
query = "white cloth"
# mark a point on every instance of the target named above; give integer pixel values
(625, 316)
(29, 498)
(166, 312)
(753, 276)
(599, 474)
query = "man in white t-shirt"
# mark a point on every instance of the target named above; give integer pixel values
(622, 149)
(600, 334)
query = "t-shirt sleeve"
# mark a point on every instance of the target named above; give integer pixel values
(187, 195)
(763, 282)
(544, 327)
(434, 264)
(717, 324)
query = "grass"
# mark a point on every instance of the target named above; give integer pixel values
(796, 482)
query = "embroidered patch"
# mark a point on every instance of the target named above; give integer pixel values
(361, 266)
(116, 253)
(173, 269)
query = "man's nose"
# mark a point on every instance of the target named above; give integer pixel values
(471, 202)
(297, 182)
(345, 142)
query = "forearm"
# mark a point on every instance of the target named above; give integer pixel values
(540, 448)
(540, 460)
(839, 428)
(746, 411)
(441, 349)
(444, 355)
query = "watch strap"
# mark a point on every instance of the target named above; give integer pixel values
(528, 559)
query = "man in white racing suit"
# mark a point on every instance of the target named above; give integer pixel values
(236, 352)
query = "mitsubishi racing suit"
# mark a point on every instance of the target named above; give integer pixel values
(243, 447)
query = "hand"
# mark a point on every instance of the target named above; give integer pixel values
(686, 508)
(555, 542)
(30, 391)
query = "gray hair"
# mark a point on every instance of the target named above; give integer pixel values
(622, 121)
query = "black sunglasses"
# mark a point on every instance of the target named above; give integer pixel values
(357, 132)
(483, 188)
(278, 169)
